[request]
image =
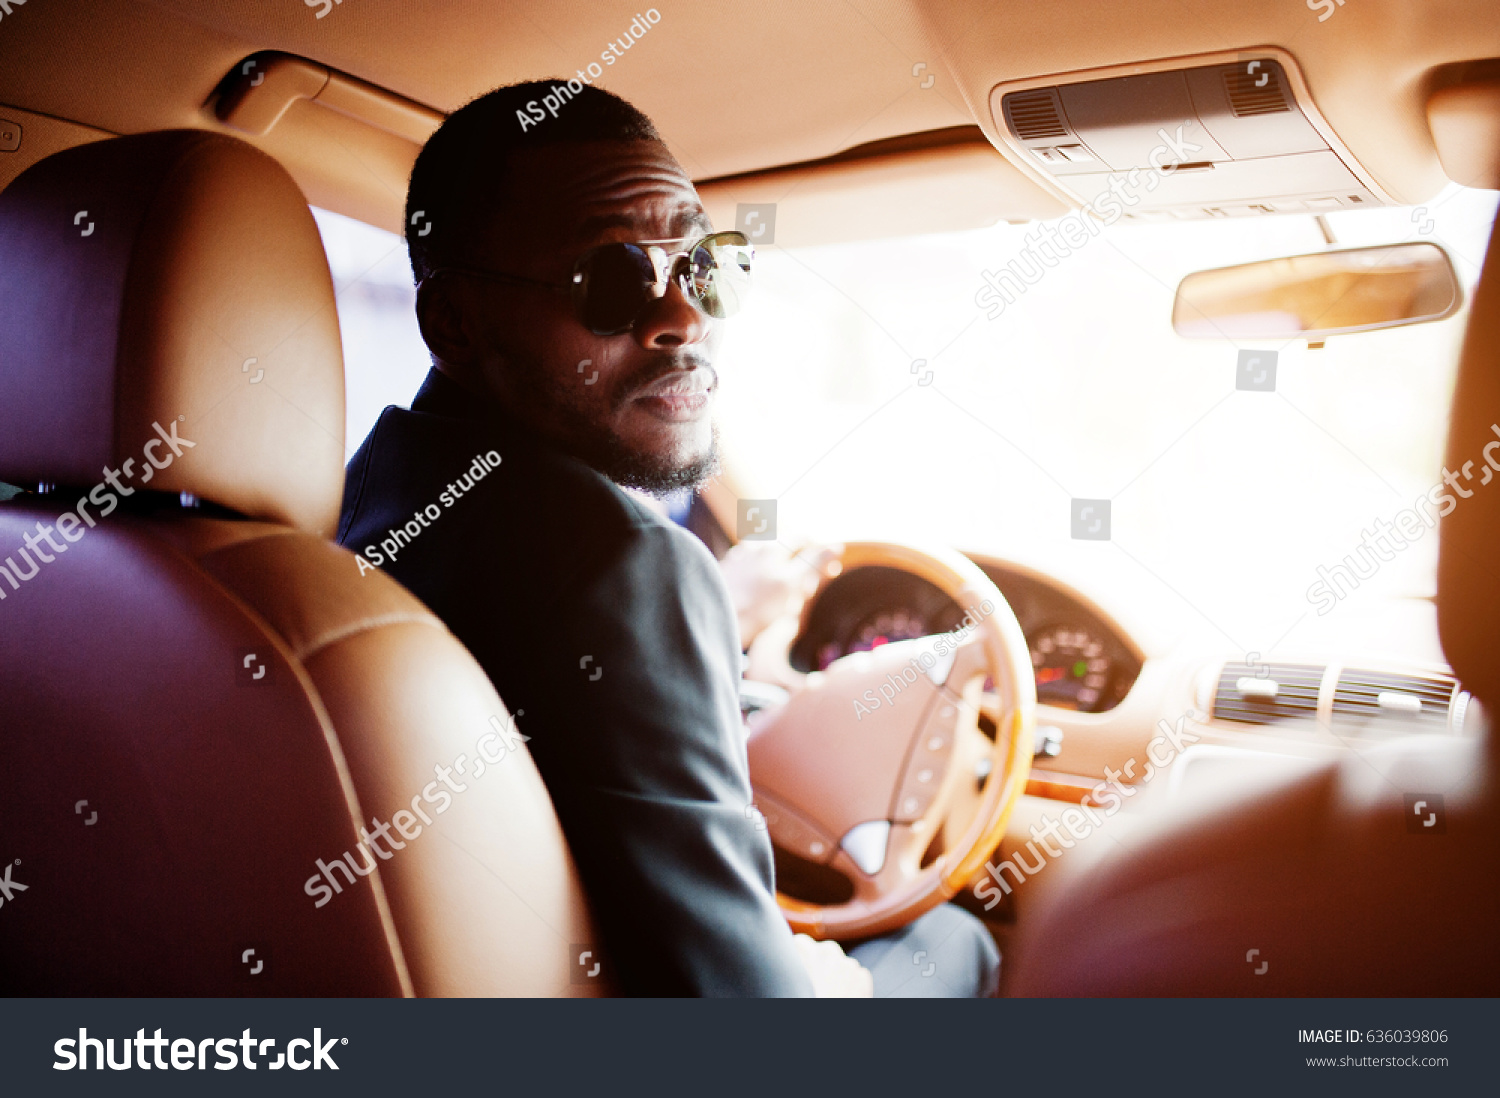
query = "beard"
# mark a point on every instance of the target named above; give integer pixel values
(631, 468)
(576, 427)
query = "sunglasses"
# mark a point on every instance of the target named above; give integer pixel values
(613, 284)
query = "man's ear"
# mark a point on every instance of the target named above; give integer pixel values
(443, 324)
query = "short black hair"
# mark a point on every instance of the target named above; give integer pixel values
(461, 174)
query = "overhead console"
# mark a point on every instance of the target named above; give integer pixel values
(1225, 135)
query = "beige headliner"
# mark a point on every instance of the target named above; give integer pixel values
(737, 88)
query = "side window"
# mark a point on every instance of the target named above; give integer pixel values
(384, 356)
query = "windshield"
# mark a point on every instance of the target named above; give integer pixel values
(870, 395)
(868, 392)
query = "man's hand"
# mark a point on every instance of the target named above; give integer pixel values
(835, 975)
(767, 582)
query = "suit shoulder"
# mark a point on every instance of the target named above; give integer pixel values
(650, 561)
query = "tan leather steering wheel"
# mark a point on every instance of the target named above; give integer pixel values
(863, 766)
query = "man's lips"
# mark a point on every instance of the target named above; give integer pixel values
(680, 396)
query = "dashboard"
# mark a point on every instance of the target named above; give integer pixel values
(1081, 659)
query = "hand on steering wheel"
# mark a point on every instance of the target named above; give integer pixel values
(860, 769)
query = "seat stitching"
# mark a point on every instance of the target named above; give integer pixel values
(344, 632)
(277, 531)
(330, 738)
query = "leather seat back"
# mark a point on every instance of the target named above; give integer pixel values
(235, 761)
(1468, 579)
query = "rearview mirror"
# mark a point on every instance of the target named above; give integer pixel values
(1319, 295)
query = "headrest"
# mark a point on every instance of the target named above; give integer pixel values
(1468, 565)
(171, 284)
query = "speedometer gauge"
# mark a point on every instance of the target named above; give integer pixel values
(1072, 667)
(879, 628)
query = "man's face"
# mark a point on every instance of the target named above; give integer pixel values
(637, 406)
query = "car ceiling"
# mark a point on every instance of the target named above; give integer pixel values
(736, 87)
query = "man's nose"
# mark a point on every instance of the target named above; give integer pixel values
(672, 320)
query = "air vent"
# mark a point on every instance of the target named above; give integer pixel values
(1035, 115)
(1266, 693)
(1255, 93)
(1419, 703)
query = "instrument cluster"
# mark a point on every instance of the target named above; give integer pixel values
(1080, 660)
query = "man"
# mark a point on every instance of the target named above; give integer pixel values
(584, 366)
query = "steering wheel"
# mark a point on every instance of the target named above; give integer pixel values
(861, 769)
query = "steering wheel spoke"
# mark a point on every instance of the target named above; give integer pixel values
(970, 662)
(899, 867)
(882, 749)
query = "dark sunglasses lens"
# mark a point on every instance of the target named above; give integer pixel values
(618, 280)
(719, 273)
(616, 285)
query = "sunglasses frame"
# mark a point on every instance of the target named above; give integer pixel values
(665, 265)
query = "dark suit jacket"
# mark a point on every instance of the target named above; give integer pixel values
(612, 629)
